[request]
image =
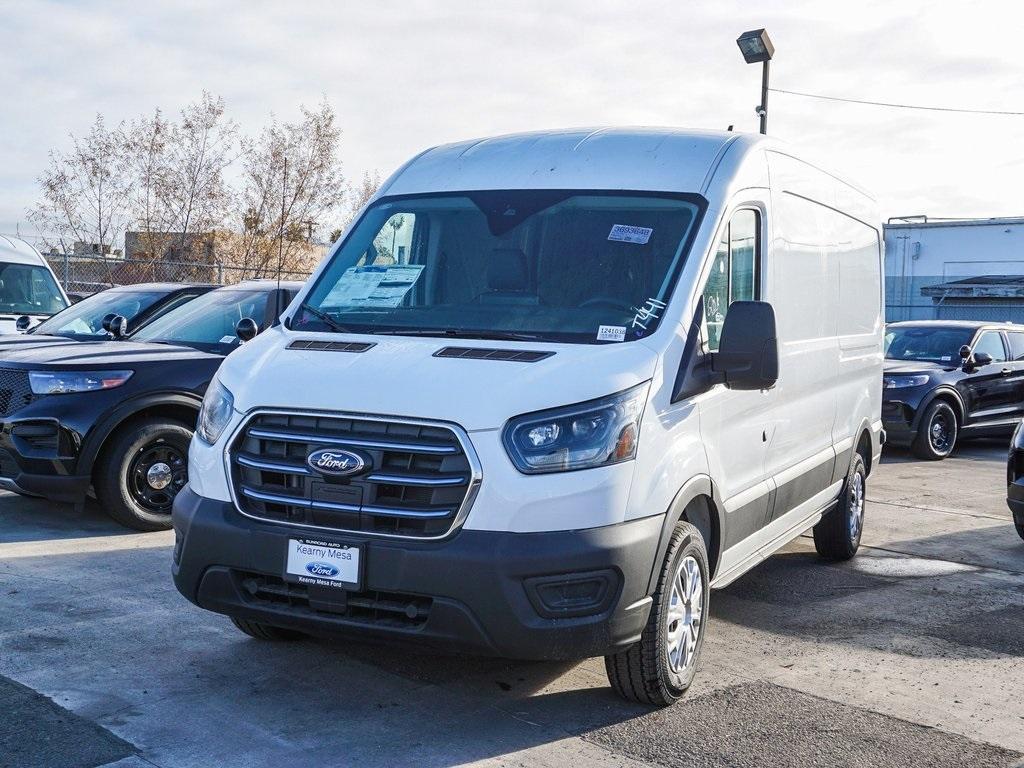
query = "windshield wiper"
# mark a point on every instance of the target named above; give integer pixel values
(321, 315)
(458, 334)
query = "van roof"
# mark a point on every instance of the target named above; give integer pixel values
(656, 159)
(17, 251)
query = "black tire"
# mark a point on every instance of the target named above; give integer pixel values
(261, 631)
(1020, 528)
(936, 437)
(643, 672)
(837, 535)
(120, 477)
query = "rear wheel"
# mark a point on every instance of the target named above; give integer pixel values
(936, 437)
(262, 631)
(660, 667)
(837, 536)
(142, 469)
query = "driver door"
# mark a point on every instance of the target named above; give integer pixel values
(989, 387)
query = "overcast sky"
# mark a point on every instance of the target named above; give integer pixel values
(405, 76)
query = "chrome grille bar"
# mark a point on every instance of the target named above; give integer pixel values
(296, 437)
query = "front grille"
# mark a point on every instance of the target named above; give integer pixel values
(15, 392)
(391, 609)
(418, 478)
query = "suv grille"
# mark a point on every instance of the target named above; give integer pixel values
(418, 481)
(15, 392)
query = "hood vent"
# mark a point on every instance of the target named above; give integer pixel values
(508, 355)
(331, 346)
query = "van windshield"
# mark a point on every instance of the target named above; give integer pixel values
(582, 267)
(29, 290)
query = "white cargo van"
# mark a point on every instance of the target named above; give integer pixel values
(546, 392)
(29, 291)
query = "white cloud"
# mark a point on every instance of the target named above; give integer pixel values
(404, 76)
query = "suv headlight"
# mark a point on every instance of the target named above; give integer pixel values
(581, 436)
(215, 412)
(899, 382)
(66, 382)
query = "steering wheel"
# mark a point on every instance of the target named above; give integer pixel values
(606, 301)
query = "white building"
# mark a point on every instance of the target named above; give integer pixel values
(963, 269)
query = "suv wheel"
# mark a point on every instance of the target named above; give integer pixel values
(837, 535)
(660, 667)
(937, 434)
(142, 470)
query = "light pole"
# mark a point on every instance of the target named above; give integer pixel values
(756, 46)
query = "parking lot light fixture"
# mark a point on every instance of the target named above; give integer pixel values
(756, 47)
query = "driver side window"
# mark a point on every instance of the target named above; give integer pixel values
(734, 271)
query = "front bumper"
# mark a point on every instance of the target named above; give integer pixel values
(899, 421)
(479, 591)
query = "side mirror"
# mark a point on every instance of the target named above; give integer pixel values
(982, 358)
(119, 326)
(22, 323)
(246, 329)
(748, 348)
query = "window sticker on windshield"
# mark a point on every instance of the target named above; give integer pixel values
(227, 339)
(946, 358)
(626, 233)
(611, 333)
(374, 286)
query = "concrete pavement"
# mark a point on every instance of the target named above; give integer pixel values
(911, 654)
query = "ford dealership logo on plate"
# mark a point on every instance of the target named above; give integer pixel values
(333, 461)
(321, 569)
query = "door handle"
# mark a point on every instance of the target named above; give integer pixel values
(1006, 371)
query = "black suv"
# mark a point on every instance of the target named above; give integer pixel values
(117, 416)
(948, 380)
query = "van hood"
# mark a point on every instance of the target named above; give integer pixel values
(400, 376)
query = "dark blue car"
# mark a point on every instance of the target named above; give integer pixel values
(945, 381)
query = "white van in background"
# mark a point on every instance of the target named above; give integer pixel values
(547, 391)
(28, 287)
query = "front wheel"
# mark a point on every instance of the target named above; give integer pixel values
(142, 470)
(660, 667)
(937, 434)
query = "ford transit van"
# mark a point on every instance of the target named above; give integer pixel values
(546, 392)
(29, 291)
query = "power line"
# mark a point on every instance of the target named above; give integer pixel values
(899, 106)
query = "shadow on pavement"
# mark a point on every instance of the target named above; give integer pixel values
(25, 519)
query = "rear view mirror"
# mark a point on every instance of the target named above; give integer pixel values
(119, 326)
(22, 323)
(748, 348)
(246, 329)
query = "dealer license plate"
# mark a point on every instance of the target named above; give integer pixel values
(323, 563)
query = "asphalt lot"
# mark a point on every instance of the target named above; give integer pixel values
(912, 654)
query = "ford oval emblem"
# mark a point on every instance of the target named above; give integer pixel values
(321, 569)
(334, 461)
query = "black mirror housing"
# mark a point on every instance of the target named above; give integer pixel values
(965, 352)
(748, 349)
(105, 322)
(246, 329)
(982, 358)
(22, 323)
(119, 326)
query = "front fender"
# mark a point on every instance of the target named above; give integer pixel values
(97, 436)
(944, 391)
(695, 487)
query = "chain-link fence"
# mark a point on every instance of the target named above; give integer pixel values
(89, 274)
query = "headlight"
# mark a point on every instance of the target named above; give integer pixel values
(581, 436)
(899, 382)
(64, 382)
(215, 412)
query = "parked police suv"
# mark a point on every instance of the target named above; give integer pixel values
(546, 391)
(117, 416)
(949, 380)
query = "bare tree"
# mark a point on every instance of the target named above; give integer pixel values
(199, 147)
(145, 144)
(85, 192)
(292, 182)
(358, 196)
